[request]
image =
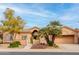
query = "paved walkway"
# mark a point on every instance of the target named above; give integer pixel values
(63, 48)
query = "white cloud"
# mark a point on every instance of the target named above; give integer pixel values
(40, 13)
(69, 14)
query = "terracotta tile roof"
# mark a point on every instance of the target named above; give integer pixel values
(34, 27)
(28, 30)
(69, 28)
(77, 30)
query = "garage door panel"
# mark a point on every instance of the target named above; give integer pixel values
(65, 40)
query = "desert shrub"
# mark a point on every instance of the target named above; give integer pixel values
(50, 43)
(56, 46)
(53, 44)
(14, 44)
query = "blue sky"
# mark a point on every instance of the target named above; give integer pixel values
(41, 14)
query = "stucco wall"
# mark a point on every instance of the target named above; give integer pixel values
(26, 41)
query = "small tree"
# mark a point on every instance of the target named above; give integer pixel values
(54, 29)
(12, 24)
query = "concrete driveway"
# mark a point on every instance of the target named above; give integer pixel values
(62, 48)
(69, 47)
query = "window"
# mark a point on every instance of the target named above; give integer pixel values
(24, 37)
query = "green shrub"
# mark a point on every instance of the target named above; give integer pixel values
(50, 43)
(14, 44)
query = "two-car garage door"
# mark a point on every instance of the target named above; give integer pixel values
(67, 39)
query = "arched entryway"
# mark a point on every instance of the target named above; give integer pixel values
(35, 38)
(35, 34)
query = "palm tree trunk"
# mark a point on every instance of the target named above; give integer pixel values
(53, 39)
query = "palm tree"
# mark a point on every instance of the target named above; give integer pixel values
(54, 29)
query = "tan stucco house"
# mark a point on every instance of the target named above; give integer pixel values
(69, 36)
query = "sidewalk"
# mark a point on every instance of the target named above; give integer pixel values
(63, 48)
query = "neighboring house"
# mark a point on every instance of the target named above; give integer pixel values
(69, 36)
